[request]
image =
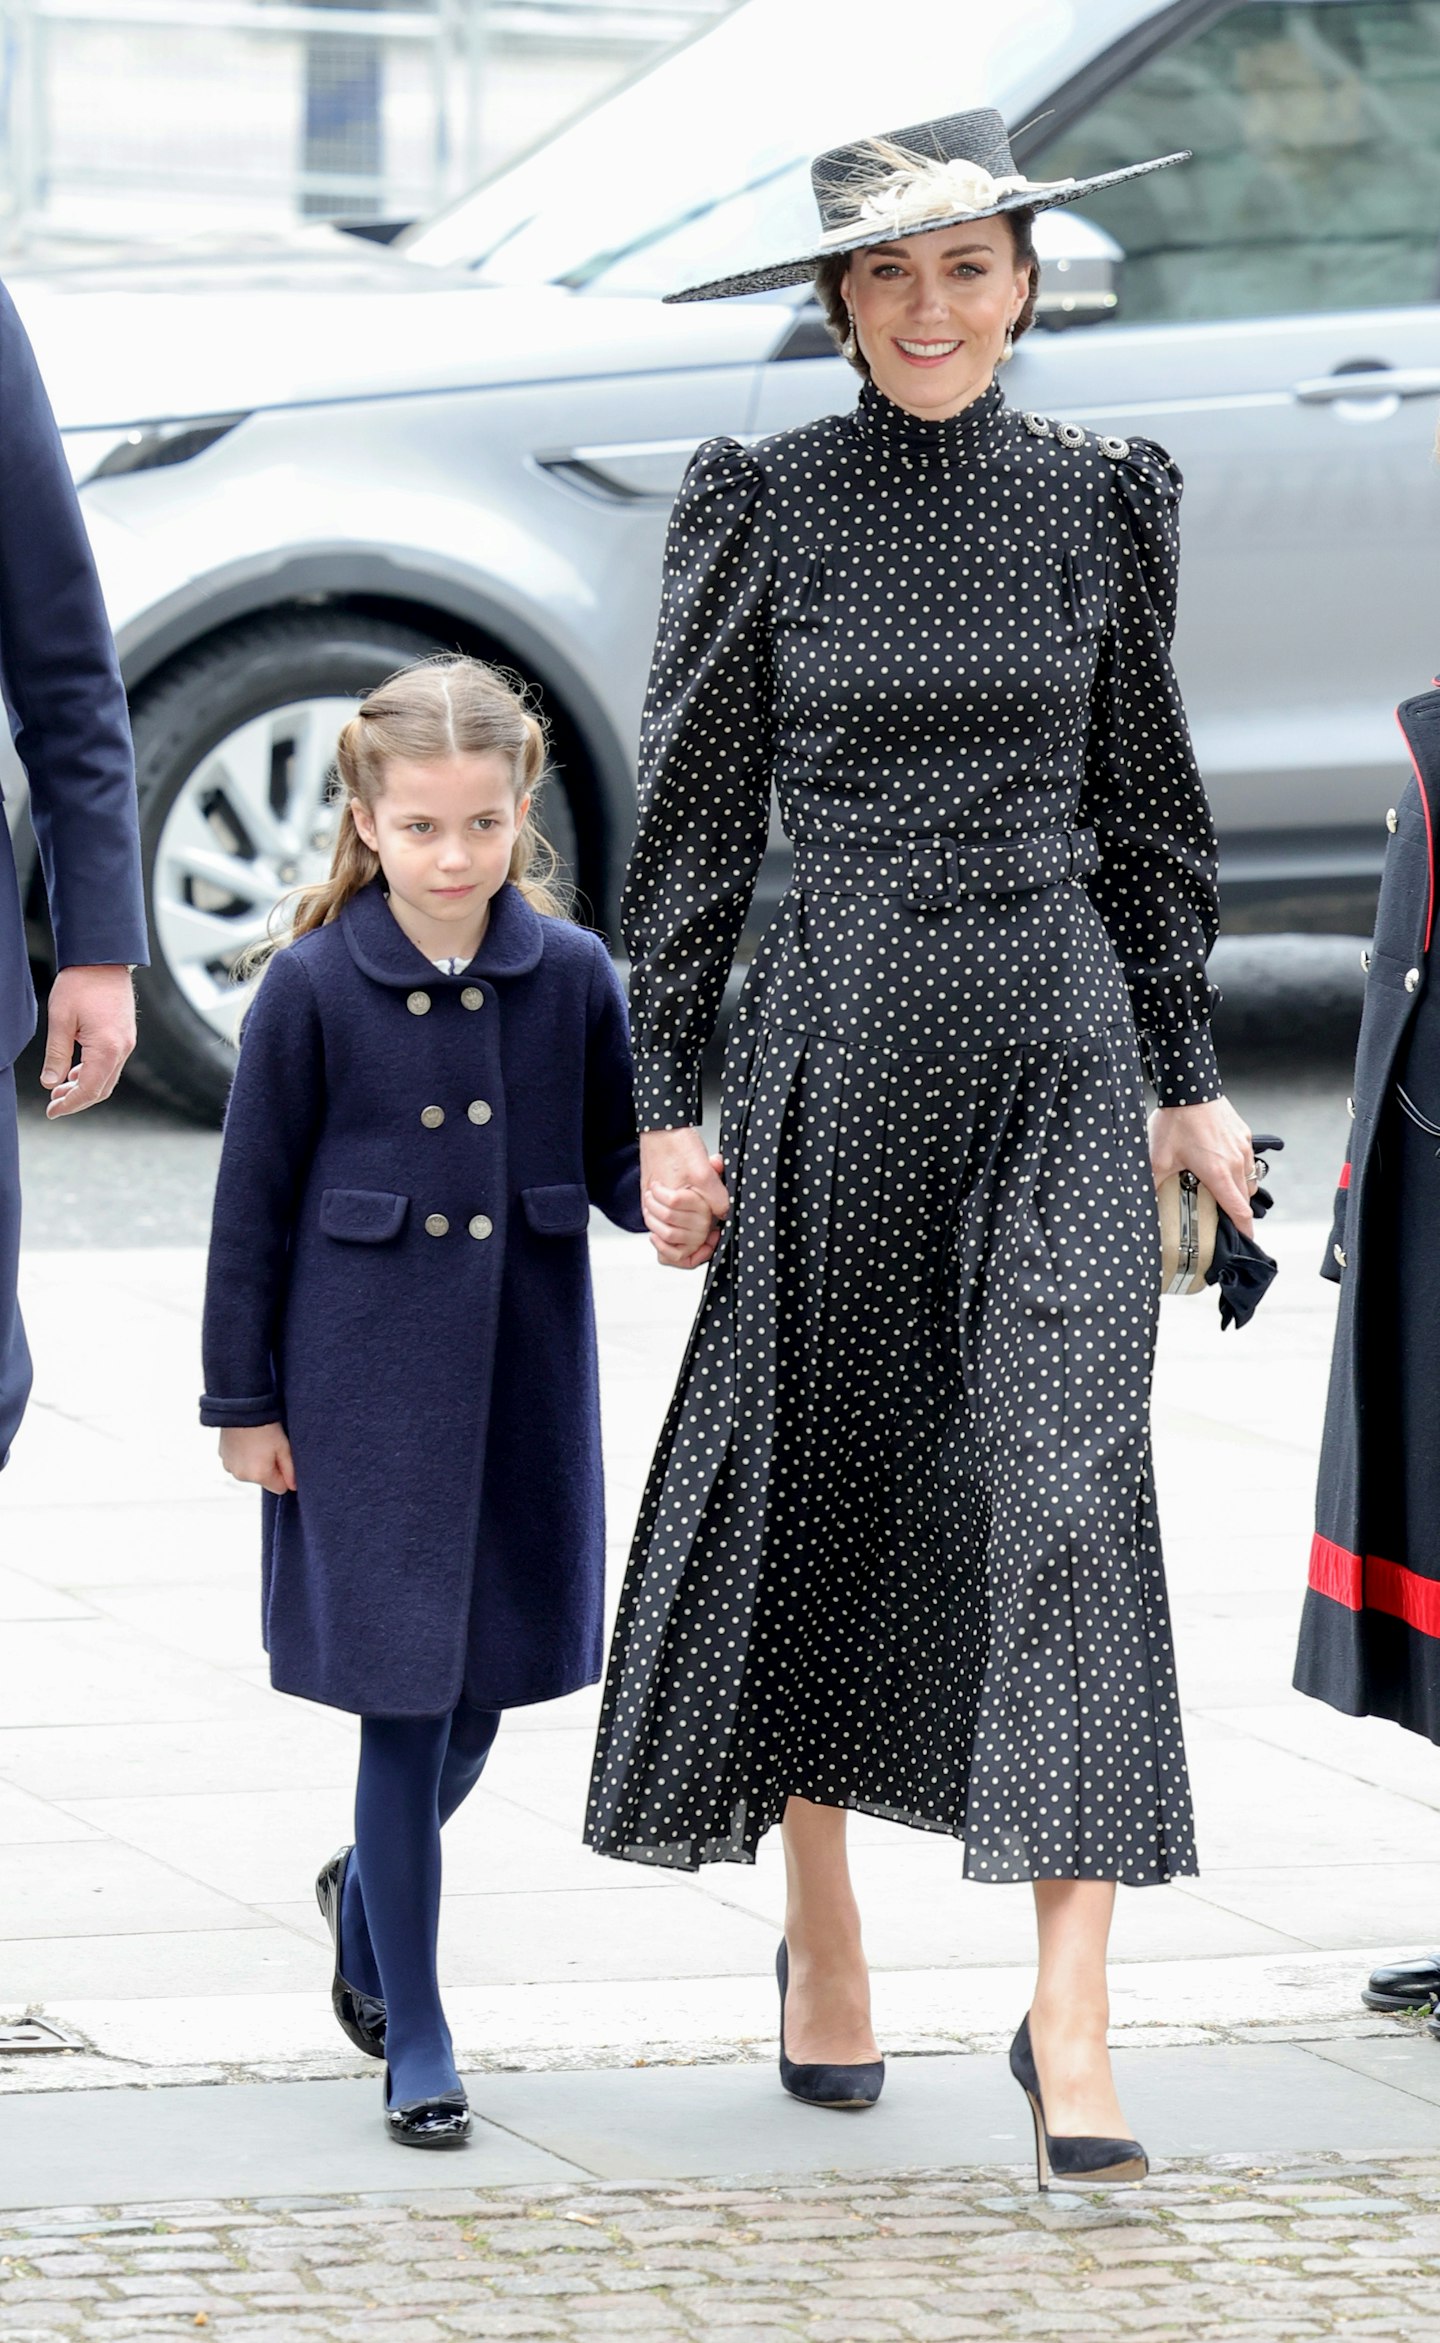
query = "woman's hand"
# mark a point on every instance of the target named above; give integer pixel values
(260, 1453)
(1212, 1142)
(683, 1196)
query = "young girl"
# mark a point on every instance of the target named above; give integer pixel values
(434, 1086)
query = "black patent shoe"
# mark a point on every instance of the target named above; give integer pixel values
(442, 2122)
(1075, 2156)
(360, 2016)
(1405, 1984)
(824, 2086)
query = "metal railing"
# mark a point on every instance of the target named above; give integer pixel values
(129, 120)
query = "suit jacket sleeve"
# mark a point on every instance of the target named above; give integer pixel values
(1157, 887)
(271, 1127)
(61, 680)
(612, 1148)
(705, 764)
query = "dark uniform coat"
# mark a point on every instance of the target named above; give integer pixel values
(1370, 1638)
(67, 712)
(399, 1274)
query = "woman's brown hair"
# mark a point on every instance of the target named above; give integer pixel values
(442, 707)
(831, 273)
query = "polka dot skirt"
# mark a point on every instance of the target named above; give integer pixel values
(898, 1550)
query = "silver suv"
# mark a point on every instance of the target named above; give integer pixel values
(301, 466)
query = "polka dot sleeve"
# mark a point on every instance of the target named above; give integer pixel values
(705, 768)
(1156, 890)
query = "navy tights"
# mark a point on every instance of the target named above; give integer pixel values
(414, 1772)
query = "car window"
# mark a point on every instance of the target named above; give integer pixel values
(1315, 184)
(698, 166)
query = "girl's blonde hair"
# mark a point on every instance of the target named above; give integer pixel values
(445, 706)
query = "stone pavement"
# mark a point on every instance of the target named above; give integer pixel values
(1312, 2246)
(163, 1812)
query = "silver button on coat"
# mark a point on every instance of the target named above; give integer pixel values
(478, 1110)
(472, 997)
(482, 1225)
(436, 1225)
(432, 1117)
(417, 1003)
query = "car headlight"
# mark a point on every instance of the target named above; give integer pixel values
(142, 447)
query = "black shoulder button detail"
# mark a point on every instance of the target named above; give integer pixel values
(1115, 449)
(1070, 435)
(1038, 426)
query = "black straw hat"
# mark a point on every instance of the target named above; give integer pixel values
(931, 175)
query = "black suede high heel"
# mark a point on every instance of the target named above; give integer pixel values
(824, 2086)
(1074, 2156)
(360, 2016)
(442, 2122)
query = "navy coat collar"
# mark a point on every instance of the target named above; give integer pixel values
(511, 946)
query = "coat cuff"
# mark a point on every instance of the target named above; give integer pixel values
(236, 1414)
(667, 1091)
(1183, 1066)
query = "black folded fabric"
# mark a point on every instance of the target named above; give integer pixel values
(1241, 1269)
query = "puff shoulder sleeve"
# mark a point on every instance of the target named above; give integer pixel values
(705, 773)
(1156, 889)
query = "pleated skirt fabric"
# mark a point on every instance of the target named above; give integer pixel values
(898, 1551)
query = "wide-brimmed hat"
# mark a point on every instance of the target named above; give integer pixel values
(930, 175)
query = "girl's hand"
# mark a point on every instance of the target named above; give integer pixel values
(683, 1195)
(1212, 1142)
(260, 1453)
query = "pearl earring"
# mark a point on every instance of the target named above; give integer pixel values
(1007, 351)
(849, 346)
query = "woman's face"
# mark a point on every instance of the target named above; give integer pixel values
(932, 311)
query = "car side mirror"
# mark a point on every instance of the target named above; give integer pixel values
(1080, 269)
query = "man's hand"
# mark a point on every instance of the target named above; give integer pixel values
(683, 1193)
(92, 1010)
(260, 1453)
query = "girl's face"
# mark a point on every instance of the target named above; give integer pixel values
(931, 312)
(444, 830)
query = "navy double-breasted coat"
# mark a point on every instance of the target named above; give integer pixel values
(1370, 1636)
(399, 1274)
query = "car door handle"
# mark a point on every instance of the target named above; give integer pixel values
(1380, 382)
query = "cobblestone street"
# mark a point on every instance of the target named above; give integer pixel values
(1325, 2247)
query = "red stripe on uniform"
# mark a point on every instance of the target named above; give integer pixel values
(1368, 1583)
(1344, 1175)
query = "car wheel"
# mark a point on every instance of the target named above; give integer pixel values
(234, 755)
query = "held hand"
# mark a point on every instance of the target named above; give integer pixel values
(683, 1196)
(1212, 1142)
(259, 1453)
(92, 1010)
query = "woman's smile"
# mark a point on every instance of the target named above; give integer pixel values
(918, 353)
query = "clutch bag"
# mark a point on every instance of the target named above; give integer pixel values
(1189, 1217)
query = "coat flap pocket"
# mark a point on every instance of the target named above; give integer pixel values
(557, 1212)
(362, 1216)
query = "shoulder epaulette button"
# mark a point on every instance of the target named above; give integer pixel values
(1114, 448)
(1038, 426)
(1069, 435)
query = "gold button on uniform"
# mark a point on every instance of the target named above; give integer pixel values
(472, 997)
(478, 1111)
(432, 1117)
(417, 1003)
(482, 1225)
(1392, 820)
(436, 1225)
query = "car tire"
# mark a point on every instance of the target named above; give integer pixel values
(180, 721)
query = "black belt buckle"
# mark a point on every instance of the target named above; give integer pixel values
(932, 874)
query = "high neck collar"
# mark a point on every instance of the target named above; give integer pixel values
(918, 439)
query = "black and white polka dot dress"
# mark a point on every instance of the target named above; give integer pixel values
(898, 1549)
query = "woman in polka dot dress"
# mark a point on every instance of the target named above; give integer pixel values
(899, 1551)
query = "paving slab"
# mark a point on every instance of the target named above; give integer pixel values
(685, 2123)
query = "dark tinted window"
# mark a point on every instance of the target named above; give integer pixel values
(1315, 184)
